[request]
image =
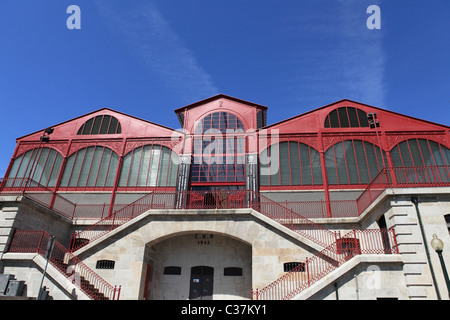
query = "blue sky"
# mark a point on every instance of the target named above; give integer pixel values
(147, 58)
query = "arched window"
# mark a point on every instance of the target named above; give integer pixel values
(149, 166)
(290, 164)
(420, 152)
(94, 166)
(41, 165)
(346, 117)
(219, 154)
(219, 121)
(353, 162)
(102, 124)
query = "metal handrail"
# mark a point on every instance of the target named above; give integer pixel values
(67, 263)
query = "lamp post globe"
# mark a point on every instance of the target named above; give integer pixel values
(438, 246)
(437, 243)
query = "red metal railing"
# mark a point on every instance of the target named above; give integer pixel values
(154, 200)
(205, 200)
(159, 200)
(318, 209)
(427, 176)
(369, 241)
(380, 183)
(67, 263)
(431, 176)
(294, 221)
(38, 193)
(400, 177)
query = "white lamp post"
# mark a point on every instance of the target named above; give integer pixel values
(438, 246)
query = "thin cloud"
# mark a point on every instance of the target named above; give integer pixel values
(337, 57)
(153, 42)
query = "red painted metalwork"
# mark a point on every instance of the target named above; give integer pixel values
(66, 141)
(67, 263)
(309, 128)
(401, 177)
(38, 193)
(355, 242)
(335, 125)
(219, 199)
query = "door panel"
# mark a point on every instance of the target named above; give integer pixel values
(201, 286)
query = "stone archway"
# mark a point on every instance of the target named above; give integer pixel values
(171, 260)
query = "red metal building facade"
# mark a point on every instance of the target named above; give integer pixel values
(226, 144)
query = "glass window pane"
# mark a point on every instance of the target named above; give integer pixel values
(295, 164)
(125, 170)
(94, 168)
(446, 155)
(113, 126)
(362, 161)
(351, 162)
(437, 154)
(105, 124)
(263, 168)
(327, 122)
(362, 116)
(102, 124)
(111, 177)
(31, 163)
(426, 153)
(396, 159)
(406, 155)
(173, 169)
(415, 151)
(15, 167)
(77, 167)
(68, 170)
(144, 166)
(47, 169)
(134, 169)
(343, 118)
(274, 152)
(88, 126)
(86, 167)
(305, 160)
(56, 169)
(334, 120)
(153, 170)
(340, 162)
(39, 165)
(373, 160)
(163, 167)
(316, 167)
(222, 172)
(220, 121)
(353, 117)
(102, 172)
(284, 164)
(331, 166)
(96, 125)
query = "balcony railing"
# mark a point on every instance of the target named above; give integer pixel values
(67, 263)
(356, 242)
(401, 177)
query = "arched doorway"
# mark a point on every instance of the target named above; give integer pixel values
(198, 265)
